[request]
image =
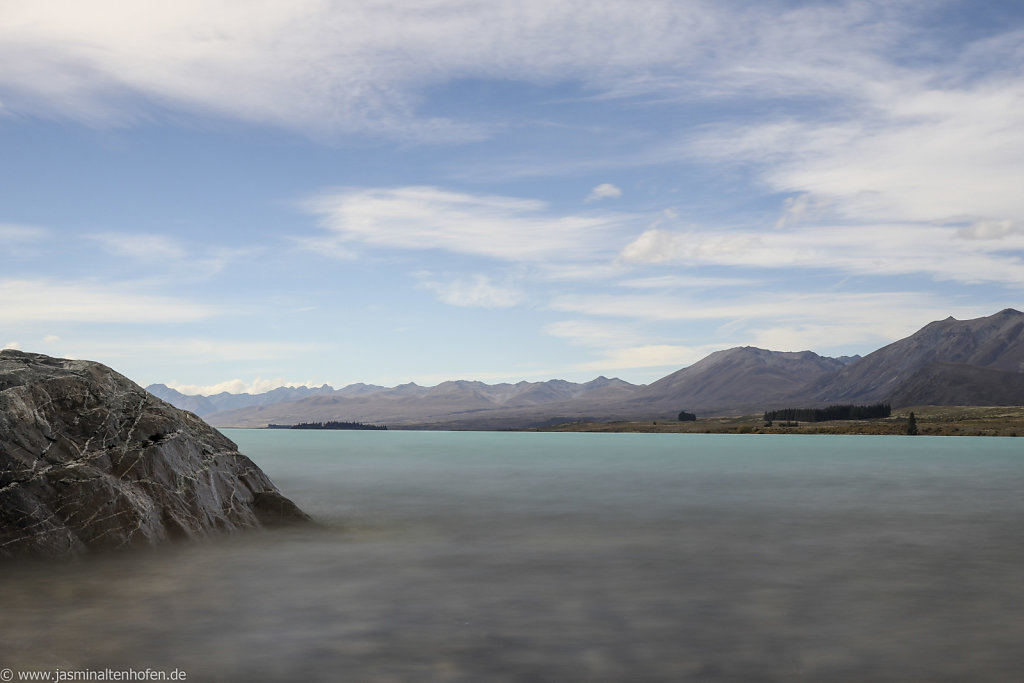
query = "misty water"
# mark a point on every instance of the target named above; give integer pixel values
(570, 557)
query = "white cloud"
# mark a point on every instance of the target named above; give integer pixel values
(12, 233)
(910, 152)
(51, 339)
(474, 291)
(505, 228)
(321, 66)
(190, 352)
(166, 258)
(12, 345)
(813, 335)
(799, 209)
(141, 247)
(26, 301)
(216, 350)
(623, 346)
(595, 333)
(367, 66)
(800, 321)
(687, 282)
(330, 248)
(603, 191)
(584, 271)
(991, 230)
(872, 249)
(648, 356)
(652, 246)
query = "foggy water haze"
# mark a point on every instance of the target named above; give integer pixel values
(595, 557)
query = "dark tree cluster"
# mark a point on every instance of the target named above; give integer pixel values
(687, 417)
(333, 424)
(839, 412)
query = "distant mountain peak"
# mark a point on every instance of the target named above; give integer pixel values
(946, 360)
(995, 342)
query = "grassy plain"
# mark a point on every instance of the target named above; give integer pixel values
(931, 421)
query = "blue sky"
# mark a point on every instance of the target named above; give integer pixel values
(237, 195)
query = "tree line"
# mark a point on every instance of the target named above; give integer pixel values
(837, 412)
(331, 424)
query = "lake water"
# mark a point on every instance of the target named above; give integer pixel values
(570, 557)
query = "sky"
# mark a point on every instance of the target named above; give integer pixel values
(240, 194)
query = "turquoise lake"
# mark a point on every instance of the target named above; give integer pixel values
(482, 556)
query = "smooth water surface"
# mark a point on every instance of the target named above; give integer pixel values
(469, 556)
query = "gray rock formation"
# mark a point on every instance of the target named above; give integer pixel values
(89, 460)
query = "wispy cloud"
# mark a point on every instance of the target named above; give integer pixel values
(141, 247)
(991, 230)
(367, 67)
(794, 322)
(595, 333)
(873, 249)
(313, 65)
(11, 233)
(853, 140)
(426, 218)
(170, 259)
(624, 345)
(647, 356)
(603, 191)
(476, 290)
(179, 352)
(920, 154)
(29, 301)
(687, 282)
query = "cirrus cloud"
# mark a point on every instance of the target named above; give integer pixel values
(368, 66)
(140, 247)
(939, 252)
(427, 218)
(473, 291)
(40, 300)
(319, 66)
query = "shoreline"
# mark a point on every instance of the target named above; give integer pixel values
(1007, 421)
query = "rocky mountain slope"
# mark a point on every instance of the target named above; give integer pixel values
(206, 405)
(89, 460)
(948, 362)
(995, 342)
(945, 384)
(453, 404)
(736, 379)
(467, 394)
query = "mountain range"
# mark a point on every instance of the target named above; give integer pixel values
(947, 362)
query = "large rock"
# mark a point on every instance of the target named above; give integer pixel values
(89, 460)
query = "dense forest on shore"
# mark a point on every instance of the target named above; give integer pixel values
(332, 424)
(837, 412)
